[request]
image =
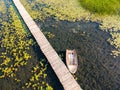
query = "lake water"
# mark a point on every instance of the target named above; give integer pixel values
(92, 48)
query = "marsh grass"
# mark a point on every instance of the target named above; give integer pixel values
(102, 6)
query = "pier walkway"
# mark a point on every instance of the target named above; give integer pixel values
(64, 76)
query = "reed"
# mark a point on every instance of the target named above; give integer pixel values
(102, 7)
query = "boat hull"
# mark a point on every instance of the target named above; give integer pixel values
(71, 60)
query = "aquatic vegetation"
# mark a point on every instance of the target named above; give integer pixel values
(36, 80)
(115, 41)
(72, 10)
(49, 35)
(16, 53)
(63, 10)
(15, 45)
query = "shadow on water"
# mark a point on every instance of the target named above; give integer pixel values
(93, 49)
(52, 79)
(62, 55)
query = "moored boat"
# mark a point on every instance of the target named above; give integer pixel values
(71, 60)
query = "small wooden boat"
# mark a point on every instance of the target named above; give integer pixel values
(71, 60)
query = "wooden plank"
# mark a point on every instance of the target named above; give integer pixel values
(65, 77)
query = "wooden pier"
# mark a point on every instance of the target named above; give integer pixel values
(64, 76)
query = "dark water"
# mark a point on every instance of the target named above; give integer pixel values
(0, 25)
(51, 76)
(97, 69)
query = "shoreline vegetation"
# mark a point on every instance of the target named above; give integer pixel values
(106, 7)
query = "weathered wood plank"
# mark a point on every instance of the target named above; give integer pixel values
(66, 79)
